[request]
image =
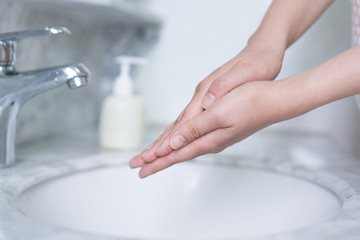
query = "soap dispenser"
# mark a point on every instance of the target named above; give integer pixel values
(122, 119)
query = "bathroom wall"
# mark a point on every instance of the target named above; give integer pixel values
(96, 38)
(195, 38)
(199, 36)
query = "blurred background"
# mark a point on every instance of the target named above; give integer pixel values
(199, 36)
(183, 40)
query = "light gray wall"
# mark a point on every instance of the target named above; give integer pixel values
(196, 37)
(199, 36)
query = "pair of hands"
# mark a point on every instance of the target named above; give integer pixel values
(233, 102)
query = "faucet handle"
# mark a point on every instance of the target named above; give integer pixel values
(16, 36)
(8, 42)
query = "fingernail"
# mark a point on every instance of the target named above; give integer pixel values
(143, 175)
(147, 155)
(136, 162)
(160, 150)
(148, 148)
(177, 142)
(143, 153)
(208, 100)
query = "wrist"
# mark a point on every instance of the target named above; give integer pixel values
(270, 54)
(274, 44)
(293, 97)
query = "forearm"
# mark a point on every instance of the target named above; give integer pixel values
(335, 79)
(285, 21)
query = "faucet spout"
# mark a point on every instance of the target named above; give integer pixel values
(17, 89)
(36, 82)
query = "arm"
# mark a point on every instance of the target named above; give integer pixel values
(257, 104)
(284, 22)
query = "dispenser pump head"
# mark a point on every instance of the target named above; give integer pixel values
(123, 83)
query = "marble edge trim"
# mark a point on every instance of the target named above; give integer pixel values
(31, 177)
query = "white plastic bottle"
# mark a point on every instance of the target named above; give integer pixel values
(122, 119)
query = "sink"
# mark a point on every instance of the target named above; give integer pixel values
(194, 200)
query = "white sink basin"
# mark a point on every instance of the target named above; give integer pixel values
(187, 201)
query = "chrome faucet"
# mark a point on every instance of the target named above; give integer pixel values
(16, 88)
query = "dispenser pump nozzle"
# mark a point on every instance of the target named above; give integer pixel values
(123, 83)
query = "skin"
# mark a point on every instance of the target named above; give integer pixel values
(237, 99)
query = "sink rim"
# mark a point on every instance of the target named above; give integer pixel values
(120, 174)
(35, 176)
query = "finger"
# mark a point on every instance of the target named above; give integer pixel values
(208, 143)
(236, 76)
(147, 148)
(191, 130)
(136, 162)
(148, 155)
(194, 108)
(191, 110)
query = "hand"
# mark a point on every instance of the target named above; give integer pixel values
(235, 116)
(260, 60)
(252, 64)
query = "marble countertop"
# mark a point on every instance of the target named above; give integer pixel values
(308, 156)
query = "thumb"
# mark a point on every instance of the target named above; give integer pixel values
(225, 83)
(193, 129)
(189, 131)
